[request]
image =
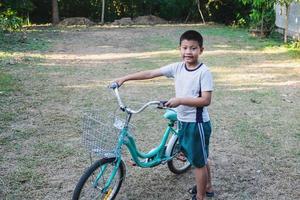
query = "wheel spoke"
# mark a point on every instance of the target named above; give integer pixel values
(87, 188)
(179, 164)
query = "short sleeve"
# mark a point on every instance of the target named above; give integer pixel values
(168, 70)
(207, 81)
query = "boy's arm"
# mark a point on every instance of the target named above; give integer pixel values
(204, 100)
(139, 76)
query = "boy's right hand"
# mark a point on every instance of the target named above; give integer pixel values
(119, 81)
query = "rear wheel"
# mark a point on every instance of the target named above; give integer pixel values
(89, 188)
(179, 164)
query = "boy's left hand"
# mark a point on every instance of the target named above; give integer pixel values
(173, 102)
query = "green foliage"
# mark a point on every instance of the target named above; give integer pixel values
(221, 11)
(294, 49)
(240, 22)
(262, 14)
(296, 45)
(176, 9)
(286, 2)
(9, 21)
(22, 7)
(229, 12)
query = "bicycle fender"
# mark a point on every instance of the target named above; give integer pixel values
(170, 145)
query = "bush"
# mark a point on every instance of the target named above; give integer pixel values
(9, 21)
(296, 44)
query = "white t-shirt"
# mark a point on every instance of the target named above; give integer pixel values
(190, 83)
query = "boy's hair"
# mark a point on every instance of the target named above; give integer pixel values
(192, 35)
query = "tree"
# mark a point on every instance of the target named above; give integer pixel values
(103, 10)
(286, 4)
(262, 15)
(55, 14)
(199, 9)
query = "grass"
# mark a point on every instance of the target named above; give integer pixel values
(52, 151)
(7, 83)
(25, 179)
(255, 107)
(23, 41)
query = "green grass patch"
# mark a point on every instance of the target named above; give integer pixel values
(23, 41)
(240, 36)
(24, 178)
(164, 42)
(4, 141)
(6, 116)
(7, 83)
(294, 52)
(52, 151)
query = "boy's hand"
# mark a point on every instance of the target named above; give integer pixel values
(120, 81)
(173, 102)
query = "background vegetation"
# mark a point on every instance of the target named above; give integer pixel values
(39, 11)
(259, 15)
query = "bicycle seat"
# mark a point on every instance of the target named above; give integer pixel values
(170, 115)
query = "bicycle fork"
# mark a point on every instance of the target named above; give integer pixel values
(110, 179)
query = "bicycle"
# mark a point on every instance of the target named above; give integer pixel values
(103, 179)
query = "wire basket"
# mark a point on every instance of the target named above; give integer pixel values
(101, 132)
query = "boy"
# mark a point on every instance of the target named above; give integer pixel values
(193, 87)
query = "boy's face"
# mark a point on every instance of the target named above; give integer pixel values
(190, 51)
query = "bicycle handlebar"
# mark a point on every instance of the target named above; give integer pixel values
(115, 87)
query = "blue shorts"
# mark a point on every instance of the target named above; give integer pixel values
(194, 140)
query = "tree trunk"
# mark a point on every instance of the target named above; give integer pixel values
(27, 19)
(199, 9)
(103, 10)
(286, 28)
(55, 14)
(262, 24)
(188, 16)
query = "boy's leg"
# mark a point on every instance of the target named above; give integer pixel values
(209, 184)
(201, 181)
(207, 132)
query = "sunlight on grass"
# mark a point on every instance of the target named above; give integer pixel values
(109, 56)
(19, 55)
(243, 52)
(142, 83)
(142, 55)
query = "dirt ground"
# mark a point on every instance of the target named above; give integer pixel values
(255, 114)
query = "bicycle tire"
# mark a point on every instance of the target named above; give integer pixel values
(91, 172)
(171, 164)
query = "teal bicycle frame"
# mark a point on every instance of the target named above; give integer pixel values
(154, 157)
(104, 178)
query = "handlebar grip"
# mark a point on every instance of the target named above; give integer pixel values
(162, 104)
(114, 85)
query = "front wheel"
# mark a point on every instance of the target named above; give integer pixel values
(179, 164)
(92, 182)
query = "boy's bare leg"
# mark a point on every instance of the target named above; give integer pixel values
(209, 184)
(201, 181)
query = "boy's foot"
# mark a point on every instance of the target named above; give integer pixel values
(210, 194)
(194, 197)
(193, 191)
